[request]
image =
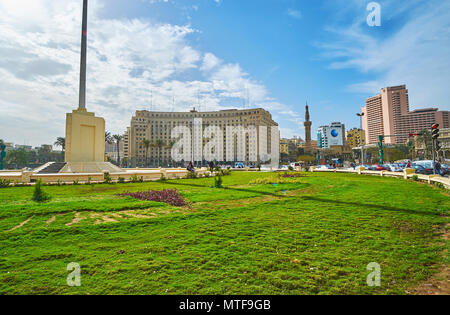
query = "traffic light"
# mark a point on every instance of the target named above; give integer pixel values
(435, 131)
(435, 135)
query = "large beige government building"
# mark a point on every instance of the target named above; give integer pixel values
(388, 114)
(154, 126)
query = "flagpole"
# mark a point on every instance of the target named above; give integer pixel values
(82, 103)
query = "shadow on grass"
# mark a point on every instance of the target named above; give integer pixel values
(265, 193)
(322, 200)
(364, 205)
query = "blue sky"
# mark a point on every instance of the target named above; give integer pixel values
(166, 55)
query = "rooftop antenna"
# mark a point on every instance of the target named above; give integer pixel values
(247, 90)
(151, 100)
(173, 103)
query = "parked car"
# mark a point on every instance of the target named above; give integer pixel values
(284, 167)
(393, 167)
(324, 167)
(239, 165)
(421, 169)
(380, 168)
(445, 169)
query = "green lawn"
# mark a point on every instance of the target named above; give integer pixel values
(311, 235)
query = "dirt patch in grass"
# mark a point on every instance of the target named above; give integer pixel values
(439, 284)
(21, 224)
(76, 219)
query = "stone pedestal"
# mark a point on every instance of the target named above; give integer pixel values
(85, 137)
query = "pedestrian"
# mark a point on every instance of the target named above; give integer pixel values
(211, 166)
(191, 167)
(438, 168)
(408, 165)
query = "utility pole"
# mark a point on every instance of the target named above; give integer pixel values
(435, 146)
(360, 115)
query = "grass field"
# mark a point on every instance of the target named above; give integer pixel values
(310, 235)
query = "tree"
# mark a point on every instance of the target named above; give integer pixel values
(118, 138)
(18, 158)
(108, 138)
(61, 142)
(169, 147)
(425, 142)
(306, 158)
(146, 143)
(159, 144)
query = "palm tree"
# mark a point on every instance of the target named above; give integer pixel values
(146, 143)
(61, 142)
(118, 138)
(108, 138)
(159, 144)
(425, 139)
(169, 146)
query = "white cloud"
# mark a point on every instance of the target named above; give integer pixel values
(416, 54)
(296, 14)
(130, 63)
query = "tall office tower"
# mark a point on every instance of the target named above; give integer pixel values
(388, 114)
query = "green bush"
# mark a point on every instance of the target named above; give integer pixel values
(121, 180)
(76, 182)
(218, 181)
(226, 172)
(163, 178)
(134, 179)
(4, 183)
(108, 179)
(39, 195)
(415, 178)
(191, 175)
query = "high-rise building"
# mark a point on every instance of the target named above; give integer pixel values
(388, 114)
(355, 137)
(155, 126)
(331, 135)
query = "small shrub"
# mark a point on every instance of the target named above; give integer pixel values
(291, 175)
(218, 181)
(290, 168)
(134, 179)
(58, 183)
(121, 180)
(4, 183)
(172, 197)
(89, 180)
(39, 195)
(226, 172)
(439, 185)
(76, 182)
(415, 178)
(141, 179)
(191, 175)
(163, 178)
(108, 179)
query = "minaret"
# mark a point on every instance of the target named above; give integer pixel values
(307, 124)
(82, 103)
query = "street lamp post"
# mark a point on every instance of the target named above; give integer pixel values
(360, 115)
